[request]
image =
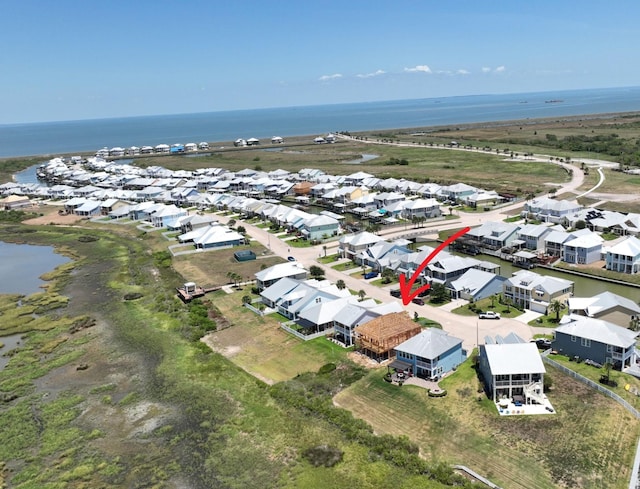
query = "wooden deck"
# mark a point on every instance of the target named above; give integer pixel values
(195, 293)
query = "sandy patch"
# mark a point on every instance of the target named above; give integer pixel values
(50, 216)
(362, 360)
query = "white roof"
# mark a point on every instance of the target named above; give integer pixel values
(597, 330)
(514, 358)
(280, 270)
(430, 343)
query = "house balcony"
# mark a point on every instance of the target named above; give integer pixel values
(512, 383)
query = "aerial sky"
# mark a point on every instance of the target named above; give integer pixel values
(89, 59)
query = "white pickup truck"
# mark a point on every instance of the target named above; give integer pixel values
(489, 315)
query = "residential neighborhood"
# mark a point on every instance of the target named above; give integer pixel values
(197, 205)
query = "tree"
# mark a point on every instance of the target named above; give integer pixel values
(439, 293)
(246, 299)
(241, 229)
(231, 223)
(324, 248)
(362, 294)
(316, 272)
(556, 306)
(387, 276)
(341, 285)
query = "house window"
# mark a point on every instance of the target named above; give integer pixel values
(586, 342)
(609, 348)
(573, 338)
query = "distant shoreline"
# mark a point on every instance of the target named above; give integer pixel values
(216, 146)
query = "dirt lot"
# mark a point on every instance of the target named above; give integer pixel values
(50, 215)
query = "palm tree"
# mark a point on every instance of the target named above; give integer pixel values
(341, 285)
(324, 248)
(362, 294)
(556, 306)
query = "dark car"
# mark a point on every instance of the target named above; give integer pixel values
(290, 258)
(395, 292)
(543, 344)
(418, 301)
(369, 275)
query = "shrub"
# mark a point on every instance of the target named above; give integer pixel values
(323, 455)
(326, 368)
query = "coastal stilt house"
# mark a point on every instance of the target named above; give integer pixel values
(512, 369)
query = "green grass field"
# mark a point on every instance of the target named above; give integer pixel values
(591, 439)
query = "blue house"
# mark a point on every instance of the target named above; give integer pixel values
(583, 249)
(320, 227)
(430, 354)
(597, 340)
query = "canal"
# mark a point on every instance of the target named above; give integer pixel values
(583, 286)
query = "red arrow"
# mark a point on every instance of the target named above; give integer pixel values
(405, 287)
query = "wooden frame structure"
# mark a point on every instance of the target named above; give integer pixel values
(378, 338)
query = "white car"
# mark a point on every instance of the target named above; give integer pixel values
(489, 315)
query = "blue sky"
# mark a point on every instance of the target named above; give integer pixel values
(84, 59)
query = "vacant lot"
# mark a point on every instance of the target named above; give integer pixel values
(210, 268)
(259, 346)
(590, 442)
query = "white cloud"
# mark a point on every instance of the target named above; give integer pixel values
(369, 75)
(463, 72)
(500, 69)
(330, 77)
(419, 68)
(486, 69)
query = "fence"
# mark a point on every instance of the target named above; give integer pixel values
(634, 482)
(254, 309)
(304, 337)
(592, 384)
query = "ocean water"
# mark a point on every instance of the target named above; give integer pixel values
(52, 138)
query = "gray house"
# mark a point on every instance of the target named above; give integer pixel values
(512, 369)
(476, 284)
(597, 340)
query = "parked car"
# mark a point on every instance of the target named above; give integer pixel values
(291, 258)
(369, 275)
(543, 343)
(418, 301)
(489, 315)
(395, 292)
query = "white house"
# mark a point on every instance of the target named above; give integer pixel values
(625, 256)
